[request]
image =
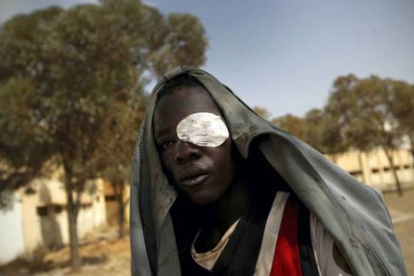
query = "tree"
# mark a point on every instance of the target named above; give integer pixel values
(403, 108)
(119, 128)
(317, 128)
(323, 132)
(363, 108)
(24, 149)
(291, 124)
(262, 112)
(67, 75)
(159, 43)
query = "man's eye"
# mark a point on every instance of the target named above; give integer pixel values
(165, 144)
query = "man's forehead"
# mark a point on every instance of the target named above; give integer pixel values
(174, 107)
(197, 95)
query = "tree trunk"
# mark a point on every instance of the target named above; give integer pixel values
(72, 225)
(411, 137)
(334, 157)
(121, 233)
(394, 171)
(118, 188)
(412, 152)
(361, 166)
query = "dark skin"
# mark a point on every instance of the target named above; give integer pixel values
(221, 188)
(208, 175)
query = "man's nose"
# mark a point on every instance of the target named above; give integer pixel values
(186, 151)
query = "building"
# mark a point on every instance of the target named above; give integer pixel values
(112, 207)
(38, 217)
(373, 168)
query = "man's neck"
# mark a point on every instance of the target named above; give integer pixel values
(219, 216)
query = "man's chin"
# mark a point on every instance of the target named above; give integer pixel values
(203, 199)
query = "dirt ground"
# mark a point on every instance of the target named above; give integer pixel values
(105, 255)
(102, 254)
(402, 214)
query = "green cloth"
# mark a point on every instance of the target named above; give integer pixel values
(352, 212)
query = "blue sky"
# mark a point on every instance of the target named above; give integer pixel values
(284, 55)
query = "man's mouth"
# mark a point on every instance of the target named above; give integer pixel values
(194, 180)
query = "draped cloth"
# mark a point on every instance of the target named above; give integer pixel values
(353, 213)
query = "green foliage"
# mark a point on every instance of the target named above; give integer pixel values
(364, 111)
(262, 112)
(317, 128)
(361, 114)
(71, 88)
(24, 145)
(403, 108)
(64, 72)
(372, 114)
(291, 124)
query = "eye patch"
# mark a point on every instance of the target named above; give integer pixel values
(203, 129)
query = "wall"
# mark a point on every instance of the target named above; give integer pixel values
(112, 208)
(373, 168)
(44, 213)
(11, 237)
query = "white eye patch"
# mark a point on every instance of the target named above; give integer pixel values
(203, 129)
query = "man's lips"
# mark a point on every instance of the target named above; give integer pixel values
(193, 176)
(194, 180)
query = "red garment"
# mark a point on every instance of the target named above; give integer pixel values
(286, 258)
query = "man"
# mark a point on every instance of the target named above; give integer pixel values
(219, 191)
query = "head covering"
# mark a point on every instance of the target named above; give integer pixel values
(352, 212)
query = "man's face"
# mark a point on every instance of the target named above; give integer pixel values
(203, 173)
